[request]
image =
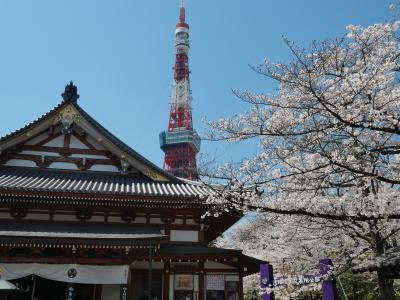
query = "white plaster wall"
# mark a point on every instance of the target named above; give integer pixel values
(75, 143)
(104, 168)
(63, 165)
(184, 236)
(21, 163)
(110, 292)
(57, 142)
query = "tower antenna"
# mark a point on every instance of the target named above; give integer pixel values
(182, 12)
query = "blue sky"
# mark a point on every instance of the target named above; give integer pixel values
(120, 54)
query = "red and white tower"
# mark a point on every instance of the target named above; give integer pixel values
(181, 142)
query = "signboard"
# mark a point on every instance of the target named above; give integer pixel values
(71, 291)
(124, 292)
(215, 282)
(183, 282)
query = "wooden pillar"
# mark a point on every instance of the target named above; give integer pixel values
(97, 292)
(167, 269)
(201, 281)
(241, 296)
(201, 234)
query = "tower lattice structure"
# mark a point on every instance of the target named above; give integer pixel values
(181, 142)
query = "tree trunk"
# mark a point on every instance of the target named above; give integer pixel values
(385, 286)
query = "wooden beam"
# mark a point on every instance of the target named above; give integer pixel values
(64, 150)
(67, 140)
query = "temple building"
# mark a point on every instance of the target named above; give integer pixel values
(84, 216)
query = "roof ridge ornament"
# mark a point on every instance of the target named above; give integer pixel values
(70, 93)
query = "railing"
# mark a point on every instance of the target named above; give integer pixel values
(180, 137)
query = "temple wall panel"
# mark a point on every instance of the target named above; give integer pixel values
(141, 220)
(156, 221)
(5, 216)
(110, 292)
(36, 216)
(184, 236)
(64, 218)
(96, 219)
(190, 222)
(178, 221)
(115, 219)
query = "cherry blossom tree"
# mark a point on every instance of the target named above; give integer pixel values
(329, 148)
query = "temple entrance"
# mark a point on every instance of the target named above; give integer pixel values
(45, 289)
(140, 286)
(49, 289)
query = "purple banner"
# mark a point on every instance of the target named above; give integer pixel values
(267, 281)
(298, 280)
(328, 286)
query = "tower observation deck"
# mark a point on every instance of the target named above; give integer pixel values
(181, 142)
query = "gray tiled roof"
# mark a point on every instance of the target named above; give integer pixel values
(35, 179)
(77, 230)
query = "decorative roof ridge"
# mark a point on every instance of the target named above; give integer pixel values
(34, 122)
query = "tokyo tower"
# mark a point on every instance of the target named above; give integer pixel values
(181, 142)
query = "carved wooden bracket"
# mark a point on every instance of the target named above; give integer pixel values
(167, 217)
(84, 215)
(128, 216)
(18, 212)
